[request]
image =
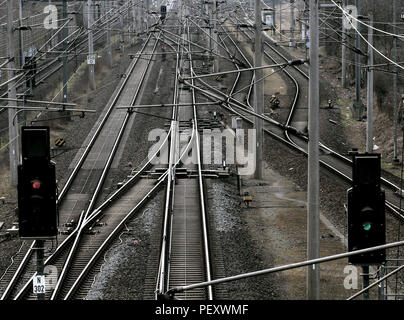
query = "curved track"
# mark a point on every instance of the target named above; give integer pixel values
(332, 160)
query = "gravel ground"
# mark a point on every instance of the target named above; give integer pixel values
(239, 252)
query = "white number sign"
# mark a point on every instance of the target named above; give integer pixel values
(39, 284)
(91, 59)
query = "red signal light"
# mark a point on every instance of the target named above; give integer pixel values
(36, 184)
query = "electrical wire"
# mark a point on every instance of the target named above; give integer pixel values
(374, 48)
(365, 24)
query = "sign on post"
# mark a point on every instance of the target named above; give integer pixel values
(269, 20)
(267, 17)
(91, 59)
(39, 284)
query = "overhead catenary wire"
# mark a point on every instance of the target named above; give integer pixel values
(365, 24)
(83, 33)
(373, 47)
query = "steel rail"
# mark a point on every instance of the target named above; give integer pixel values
(80, 163)
(108, 240)
(296, 84)
(165, 262)
(97, 212)
(161, 285)
(394, 209)
(104, 120)
(163, 276)
(28, 255)
(200, 182)
(100, 183)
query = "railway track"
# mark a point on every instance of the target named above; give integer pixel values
(78, 45)
(330, 159)
(81, 191)
(184, 256)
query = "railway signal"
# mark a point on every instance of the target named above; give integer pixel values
(36, 186)
(366, 213)
(163, 12)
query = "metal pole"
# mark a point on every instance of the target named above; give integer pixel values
(142, 16)
(12, 93)
(280, 18)
(137, 10)
(215, 47)
(133, 19)
(381, 282)
(358, 103)
(258, 89)
(313, 217)
(109, 49)
(292, 22)
(285, 267)
(147, 14)
(40, 264)
(22, 58)
(304, 25)
(210, 28)
(20, 39)
(343, 46)
(395, 81)
(121, 34)
(369, 122)
(202, 13)
(365, 284)
(65, 35)
(90, 44)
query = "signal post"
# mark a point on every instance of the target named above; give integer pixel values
(366, 213)
(37, 213)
